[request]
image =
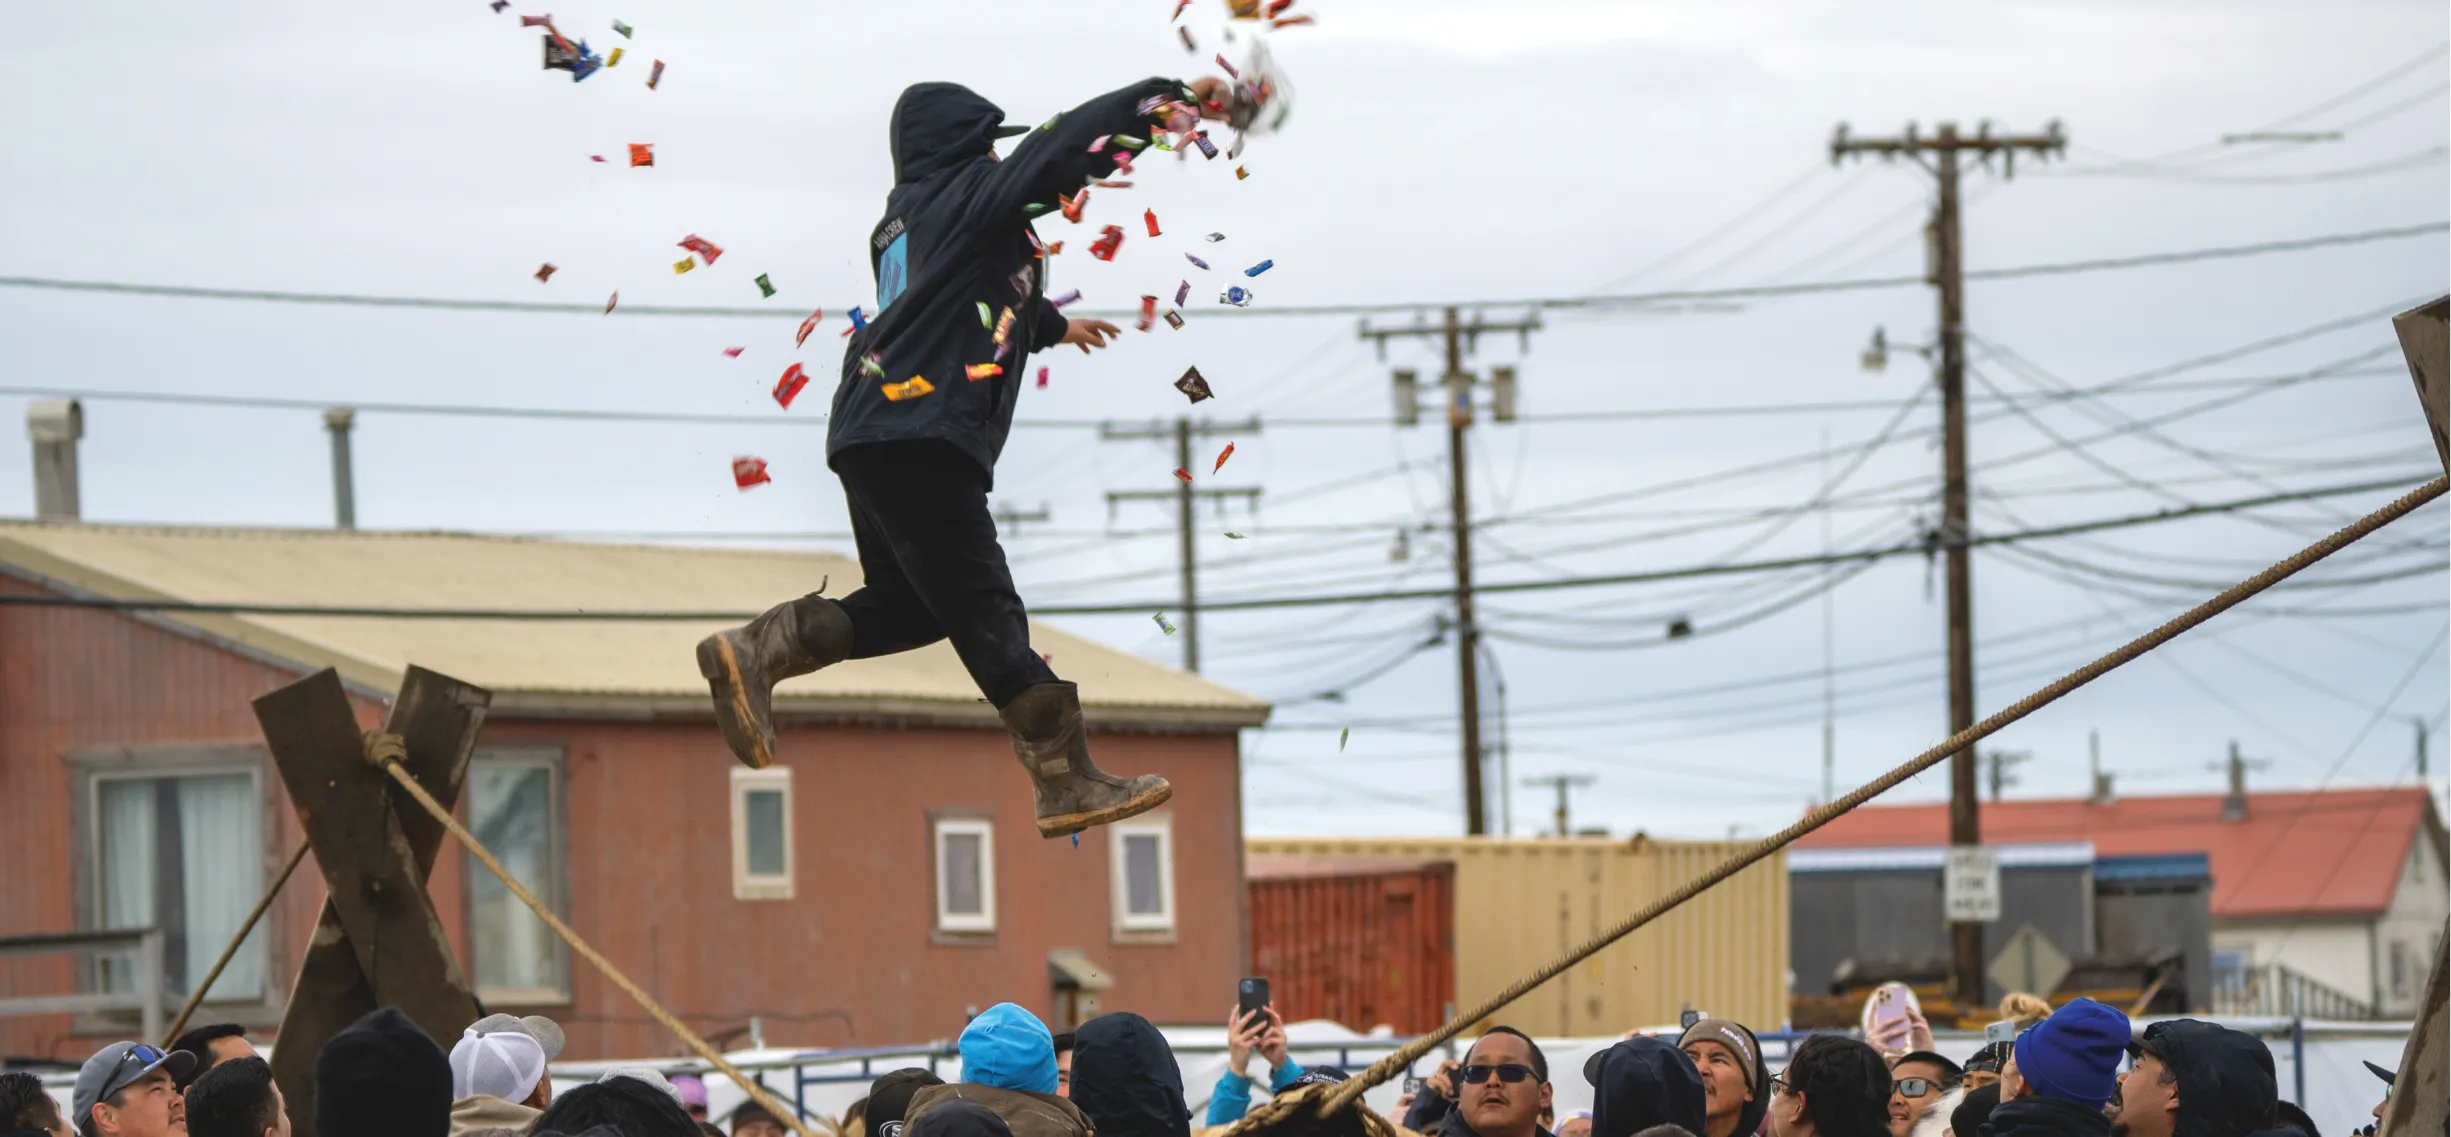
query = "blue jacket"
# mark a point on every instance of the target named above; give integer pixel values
(1232, 1097)
(956, 237)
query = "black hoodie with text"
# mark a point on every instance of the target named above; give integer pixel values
(1125, 1078)
(956, 236)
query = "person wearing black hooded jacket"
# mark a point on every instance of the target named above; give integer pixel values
(1125, 1078)
(920, 415)
(2196, 1079)
(1642, 1082)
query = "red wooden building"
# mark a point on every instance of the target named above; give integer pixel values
(881, 879)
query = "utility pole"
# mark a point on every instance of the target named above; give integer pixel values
(1564, 783)
(1461, 338)
(1183, 431)
(1947, 264)
(2418, 721)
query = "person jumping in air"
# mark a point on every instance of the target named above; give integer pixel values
(923, 409)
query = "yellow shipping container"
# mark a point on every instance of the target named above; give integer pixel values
(1520, 903)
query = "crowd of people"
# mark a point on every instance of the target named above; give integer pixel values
(1116, 1076)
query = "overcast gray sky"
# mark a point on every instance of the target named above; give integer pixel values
(1439, 152)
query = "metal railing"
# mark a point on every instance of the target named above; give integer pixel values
(147, 999)
(2275, 989)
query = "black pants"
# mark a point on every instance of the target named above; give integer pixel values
(934, 571)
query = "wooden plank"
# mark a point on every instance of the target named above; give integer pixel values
(2425, 340)
(439, 718)
(2421, 1097)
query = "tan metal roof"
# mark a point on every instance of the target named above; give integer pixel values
(616, 668)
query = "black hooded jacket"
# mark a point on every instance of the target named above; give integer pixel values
(956, 235)
(960, 1118)
(2226, 1084)
(2033, 1116)
(1125, 1078)
(1642, 1082)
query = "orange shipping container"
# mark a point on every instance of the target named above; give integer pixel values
(1359, 941)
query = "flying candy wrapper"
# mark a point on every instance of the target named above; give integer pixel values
(1181, 293)
(1054, 247)
(858, 322)
(499, 5)
(683, 265)
(807, 326)
(910, 388)
(1234, 536)
(1150, 217)
(701, 246)
(873, 363)
(610, 301)
(1179, 5)
(1148, 312)
(1160, 617)
(1178, 472)
(544, 21)
(545, 273)
(1213, 238)
(1238, 296)
(560, 54)
(1159, 140)
(1188, 46)
(978, 371)
(1042, 378)
(1193, 386)
(1110, 183)
(748, 472)
(1196, 262)
(985, 320)
(1222, 455)
(643, 154)
(1002, 350)
(1073, 205)
(1123, 160)
(1109, 240)
(621, 29)
(1208, 149)
(586, 64)
(1240, 173)
(614, 60)
(1174, 319)
(595, 157)
(1229, 68)
(1151, 104)
(788, 387)
(1259, 268)
(655, 76)
(765, 287)
(1098, 144)
(1243, 9)
(1289, 22)
(1262, 98)
(733, 352)
(1067, 298)
(1342, 737)
(1004, 326)
(1130, 141)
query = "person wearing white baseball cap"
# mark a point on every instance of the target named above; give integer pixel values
(498, 1082)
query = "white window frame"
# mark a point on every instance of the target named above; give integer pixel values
(747, 885)
(1160, 826)
(984, 921)
(554, 890)
(92, 768)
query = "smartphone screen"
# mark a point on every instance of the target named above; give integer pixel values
(1413, 1086)
(1251, 995)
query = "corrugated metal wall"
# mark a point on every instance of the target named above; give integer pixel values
(1361, 948)
(1521, 903)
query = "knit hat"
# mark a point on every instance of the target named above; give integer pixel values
(1730, 1034)
(1008, 1048)
(2074, 1055)
(504, 1064)
(889, 1098)
(382, 1077)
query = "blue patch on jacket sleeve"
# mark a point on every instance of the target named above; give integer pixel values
(894, 271)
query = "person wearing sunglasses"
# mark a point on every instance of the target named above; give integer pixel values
(1501, 1089)
(129, 1089)
(1916, 1085)
(1834, 1086)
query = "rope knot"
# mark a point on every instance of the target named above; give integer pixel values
(383, 748)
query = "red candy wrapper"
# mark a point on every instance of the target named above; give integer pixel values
(1109, 240)
(1042, 378)
(788, 387)
(545, 273)
(1222, 455)
(748, 472)
(1073, 205)
(1178, 472)
(733, 352)
(1150, 218)
(706, 249)
(1289, 22)
(610, 301)
(656, 76)
(1148, 312)
(642, 154)
(977, 371)
(807, 326)
(1229, 68)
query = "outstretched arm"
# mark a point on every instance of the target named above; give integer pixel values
(1055, 160)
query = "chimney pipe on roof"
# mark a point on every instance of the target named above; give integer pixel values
(2102, 794)
(339, 421)
(2234, 806)
(54, 426)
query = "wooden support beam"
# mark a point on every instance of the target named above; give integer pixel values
(384, 945)
(2425, 340)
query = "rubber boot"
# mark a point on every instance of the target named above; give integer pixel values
(1072, 794)
(743, 664)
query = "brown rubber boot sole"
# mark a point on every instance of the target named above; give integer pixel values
(1066, 824)
(720, 663)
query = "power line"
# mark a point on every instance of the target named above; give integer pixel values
(702, 616)
(1763, 291)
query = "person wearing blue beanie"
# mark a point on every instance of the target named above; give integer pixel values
(1008, 1048)
(2074, 1055)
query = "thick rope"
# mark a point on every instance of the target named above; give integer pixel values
(1404, 1058)
(387, 751)
(195, 998)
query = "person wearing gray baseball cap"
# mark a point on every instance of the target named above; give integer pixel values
(129, 1089)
